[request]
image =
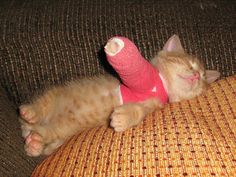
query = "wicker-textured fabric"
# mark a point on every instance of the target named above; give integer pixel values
(46, 42)
(13, 160)
(190, 138)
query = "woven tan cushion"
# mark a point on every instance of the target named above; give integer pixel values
(194, 138)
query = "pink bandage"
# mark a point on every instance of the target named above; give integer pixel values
(140, 79)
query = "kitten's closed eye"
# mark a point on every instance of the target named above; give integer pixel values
(193, 73)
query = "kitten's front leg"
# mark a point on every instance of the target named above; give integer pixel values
(132, 114)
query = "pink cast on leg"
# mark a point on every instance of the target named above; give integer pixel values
(139, 77)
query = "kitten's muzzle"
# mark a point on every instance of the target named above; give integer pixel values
(191, 78)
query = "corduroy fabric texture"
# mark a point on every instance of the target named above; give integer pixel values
(46, 42)
(190, 138)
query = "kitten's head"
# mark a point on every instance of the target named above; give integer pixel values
(184, 76)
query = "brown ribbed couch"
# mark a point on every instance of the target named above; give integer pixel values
(46, 42)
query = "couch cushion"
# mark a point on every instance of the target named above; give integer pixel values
(13, 160)
(44, 43)
(195, 137)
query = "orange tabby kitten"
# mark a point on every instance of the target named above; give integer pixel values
(66, 110)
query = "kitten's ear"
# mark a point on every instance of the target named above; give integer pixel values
(212, 75)
(173, 45)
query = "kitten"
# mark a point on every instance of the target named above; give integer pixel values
(66, 110)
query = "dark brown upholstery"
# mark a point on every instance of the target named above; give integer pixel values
(13, 161)
(47, 42)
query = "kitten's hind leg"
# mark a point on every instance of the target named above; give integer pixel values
(26, 128)
(50, 148)
(34, 144)
(37, 110)
(28, 113)
(42, 140)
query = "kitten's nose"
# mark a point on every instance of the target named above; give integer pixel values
(196, 76)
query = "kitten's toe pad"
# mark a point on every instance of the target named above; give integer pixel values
(28, 114)
(120, 121)
(33, 145)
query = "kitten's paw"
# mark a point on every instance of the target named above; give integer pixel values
(114, 46)
(27, 113)
(33, 144)
(120, 120)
